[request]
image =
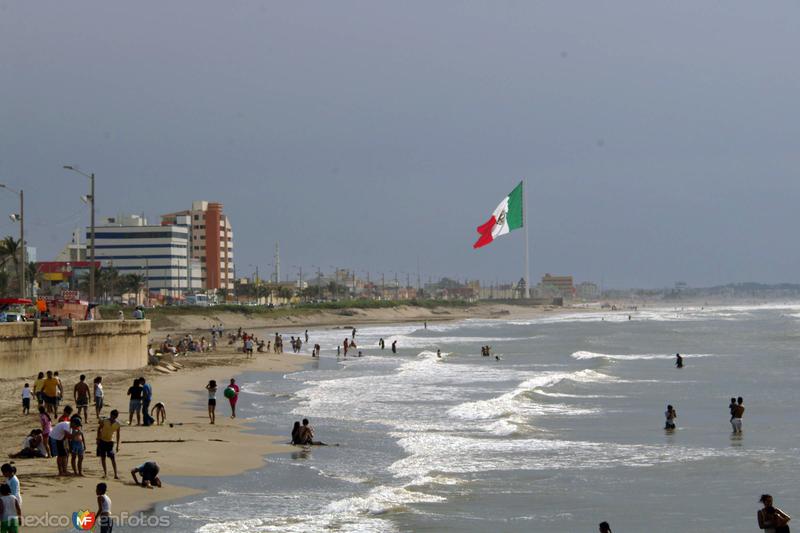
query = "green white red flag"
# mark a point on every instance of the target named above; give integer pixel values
(506, 217)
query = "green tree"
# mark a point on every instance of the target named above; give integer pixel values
(11, 251)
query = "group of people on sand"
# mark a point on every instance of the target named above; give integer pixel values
(231, 392)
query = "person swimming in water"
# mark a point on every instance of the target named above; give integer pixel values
(671, 415)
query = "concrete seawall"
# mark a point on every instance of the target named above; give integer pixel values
(26, 348)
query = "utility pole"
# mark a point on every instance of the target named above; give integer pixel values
(90, 200)
(277, 263)
(396, 287)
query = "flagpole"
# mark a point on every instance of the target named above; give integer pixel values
(527, 241)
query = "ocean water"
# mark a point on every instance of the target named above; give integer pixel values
(564, 431)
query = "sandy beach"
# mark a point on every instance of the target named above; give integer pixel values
(192, 447)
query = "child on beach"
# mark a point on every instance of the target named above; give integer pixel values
(212, 400)
(98, 396)
(10, 510)
(10, 473)
(47, 427)
(26, 399)
(77, 447)
(103, 515)
(670, 415)
(159, 412)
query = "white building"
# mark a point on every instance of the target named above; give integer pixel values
(158, 253)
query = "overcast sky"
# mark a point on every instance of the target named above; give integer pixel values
(659, 139)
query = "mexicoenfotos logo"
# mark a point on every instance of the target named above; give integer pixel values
(83, 520)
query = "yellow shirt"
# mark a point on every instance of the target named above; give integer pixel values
(50, 387)
(107, 429)
(37, 385)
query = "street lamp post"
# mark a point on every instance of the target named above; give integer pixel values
(23, 267)
(89, 199)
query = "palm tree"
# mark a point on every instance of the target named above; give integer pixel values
(10, 249)
(3, 283)
(132, 283)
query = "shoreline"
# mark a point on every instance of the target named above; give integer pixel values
(192, 447)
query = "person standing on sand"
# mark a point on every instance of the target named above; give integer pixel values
(212, 400)
(738, 413)
(10, 473)
(103, 514)
(82, 395)
(135, 403)
(147, 397)
(233, 399)
(77, 447)
(47, 427)
(38, 386)
(26, 399)
(50, 394)
(98, 396)
(61, 435)
(105, 441)
(10, 510)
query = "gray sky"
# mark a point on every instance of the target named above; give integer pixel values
(660, 139)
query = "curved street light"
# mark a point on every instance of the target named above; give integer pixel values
(90, 200)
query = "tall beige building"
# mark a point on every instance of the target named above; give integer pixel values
(211, 242)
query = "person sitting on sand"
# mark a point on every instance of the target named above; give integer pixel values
(159, 412)
(306, 435)
(32, 447)
(671, 415)
(149, 472)
(296, 432)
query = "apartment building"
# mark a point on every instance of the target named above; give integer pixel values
(210, 242)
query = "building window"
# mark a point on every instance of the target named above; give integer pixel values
(197, 217)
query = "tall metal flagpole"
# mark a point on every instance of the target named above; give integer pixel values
(527, 241)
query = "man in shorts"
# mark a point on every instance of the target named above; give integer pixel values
(105, 441)
(81, 394)
(149, 472)
(50, 394)
(738, 413)
(60, 435)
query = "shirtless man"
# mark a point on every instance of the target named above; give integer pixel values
(82, 394)
(738, 413)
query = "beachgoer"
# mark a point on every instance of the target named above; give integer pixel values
(10, 510)
(47, 427)
(212, 400)
(232, 399)
(381, 343)
(296, 432)
(604, 527)
(77, 447)
(670, 415)
(98, 396)
(306, 336)
(66, 416)
(60, 395)
(438, 352)
(159, 412)
(732, 409)
(10, 473)
(346, 345)
(105, 441)
(425, 324)
(394, 346)
(82, 395)
(770, 518)
(103, 514)
(32, 446)
(61, 435)
(678, 361)
(338, 350)
(38, 385)
(135, 403)
(147, 397)
(306, 435)
(149, 472)
(50, 394)
(354, 333)
(26, 399)
(738, 413)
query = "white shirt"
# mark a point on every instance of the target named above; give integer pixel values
(26, 393)
(98, 390)
(105, 504)
(9, 507)
(60, 431)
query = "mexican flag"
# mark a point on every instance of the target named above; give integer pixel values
(506, 217)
